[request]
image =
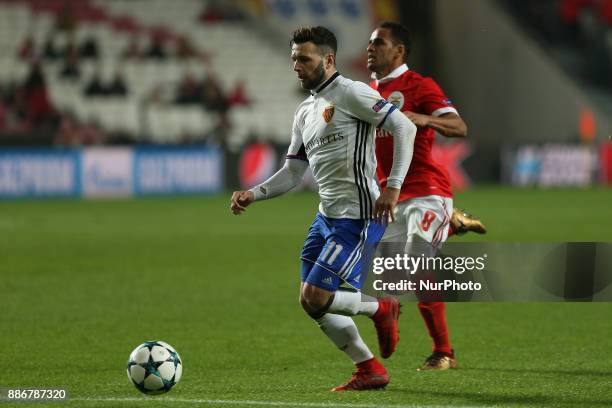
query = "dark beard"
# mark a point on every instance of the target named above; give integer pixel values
(317, 78)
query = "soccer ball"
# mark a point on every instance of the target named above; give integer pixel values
(154, 367)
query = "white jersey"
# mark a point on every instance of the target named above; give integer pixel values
(333, 130)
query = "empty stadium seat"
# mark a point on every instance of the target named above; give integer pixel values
(236, 55)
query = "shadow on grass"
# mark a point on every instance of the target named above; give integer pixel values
(544, 371)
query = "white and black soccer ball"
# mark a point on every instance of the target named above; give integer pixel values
(154, 367)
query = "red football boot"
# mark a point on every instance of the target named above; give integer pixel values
(370, 375)
(385, 321)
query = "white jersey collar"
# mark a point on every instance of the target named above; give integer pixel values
(325, 84)
(392, 75)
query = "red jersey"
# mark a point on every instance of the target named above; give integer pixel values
(409, 91)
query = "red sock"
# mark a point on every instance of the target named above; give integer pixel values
(451, 231)
(371, 365)
(434, 315)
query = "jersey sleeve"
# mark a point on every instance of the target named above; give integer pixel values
(431, 100)
(296, 148)
(366, 104)
(292, 172)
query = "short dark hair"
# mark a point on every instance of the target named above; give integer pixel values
(399, 35)
(320, 36)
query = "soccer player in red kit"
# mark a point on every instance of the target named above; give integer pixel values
(425, 206)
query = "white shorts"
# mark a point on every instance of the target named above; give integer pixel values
(420, 220)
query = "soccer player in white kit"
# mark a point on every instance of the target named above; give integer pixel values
(333, 133)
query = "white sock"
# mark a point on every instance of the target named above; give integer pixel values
(353, 303)
(343, 332)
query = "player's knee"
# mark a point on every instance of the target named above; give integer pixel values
(304, 304)
(315, 301)
(311, 303)
(315, 297)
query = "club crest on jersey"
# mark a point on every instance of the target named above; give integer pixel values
(397, 99)
(379, 105)
(328, 113)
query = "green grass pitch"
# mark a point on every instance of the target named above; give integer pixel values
(83, 282)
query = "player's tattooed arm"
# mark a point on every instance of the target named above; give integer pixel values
(449, 124)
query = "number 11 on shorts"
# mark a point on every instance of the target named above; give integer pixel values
(336, 248)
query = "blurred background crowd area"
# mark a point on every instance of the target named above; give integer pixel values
(211, 73)
(85, 72)
(577, 33)
(124, 71)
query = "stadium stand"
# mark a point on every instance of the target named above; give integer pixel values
(119, 64)
(578, 33)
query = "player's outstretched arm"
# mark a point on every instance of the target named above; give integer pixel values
(449, 124)
(284, 180)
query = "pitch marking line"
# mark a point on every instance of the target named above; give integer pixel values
(273, 403)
